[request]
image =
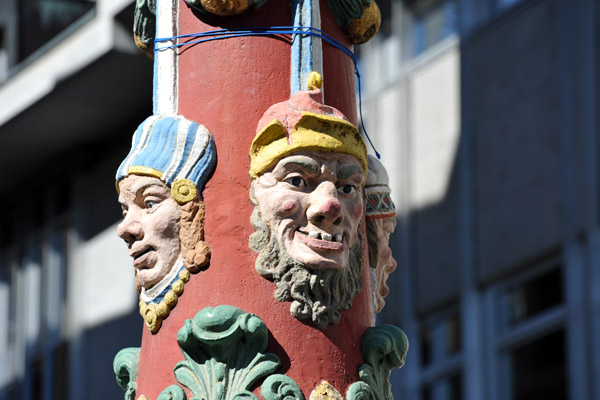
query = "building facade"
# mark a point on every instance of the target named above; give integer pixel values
(485, 115)
(484, 112)
(73, 87)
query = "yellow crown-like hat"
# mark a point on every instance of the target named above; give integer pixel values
(303, 123)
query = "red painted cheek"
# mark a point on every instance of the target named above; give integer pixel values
(357, 209)
(288, 205)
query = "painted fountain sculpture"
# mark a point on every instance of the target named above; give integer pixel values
(318, 213)
(380, 215)
(163, 212)
(308, 166)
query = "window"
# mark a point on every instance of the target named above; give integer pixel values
(433, 22)
(440, 339)
(7, 314)
(532, 297)
(3, 54)
(501, 4)
(537, 370)
(42, 20)
(385, 8)
(527, 329)
(444, 389)
(33, 300)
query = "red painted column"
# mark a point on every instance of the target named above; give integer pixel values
(227, 85)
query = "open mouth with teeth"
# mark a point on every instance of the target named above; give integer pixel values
(322, 240)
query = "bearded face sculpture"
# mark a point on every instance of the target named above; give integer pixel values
(381, 223)
(308, 171)
(307, 212)
(313, 203)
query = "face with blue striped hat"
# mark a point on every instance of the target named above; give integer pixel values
(179, 152)
(160, 184)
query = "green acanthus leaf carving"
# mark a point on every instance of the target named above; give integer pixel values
(361, 391)
(384, 348)
(125, 366)
(172, 392)
(280, 387)
(223, 347)
(144, 25)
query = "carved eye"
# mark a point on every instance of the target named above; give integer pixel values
(296, 181)
(347, 189)
(150, 203)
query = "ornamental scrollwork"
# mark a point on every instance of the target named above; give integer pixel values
(224, 349)
(125, 366)
(384, 348)
(280, 387)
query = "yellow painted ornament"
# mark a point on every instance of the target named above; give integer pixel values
(184, 276)
(154, 314)
(361, 30)
(183, 191)
(314, 81)
(325, 391)
(303, 123)
(178, 288)
(224, 8)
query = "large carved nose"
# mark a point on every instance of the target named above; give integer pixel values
(325, 206)
(130, 229)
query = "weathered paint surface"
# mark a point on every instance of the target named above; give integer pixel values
(165, 99)
(308, 166)
(360, 19)
(384, 348)
(385, 262)
(308, 211)
(163, 215)
(227, 344)
(381, 223)
(224, 8)
(303, 123)
(150, 227)
(325, 392)
(227, 85)
(307, 53)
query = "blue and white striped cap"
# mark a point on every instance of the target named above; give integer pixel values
(179, 152)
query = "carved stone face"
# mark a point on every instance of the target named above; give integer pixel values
(313, 203)
(150, 227)
(386, 264)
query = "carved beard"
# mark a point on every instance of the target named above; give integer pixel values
(315, 294)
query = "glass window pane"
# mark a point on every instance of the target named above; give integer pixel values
(426, 344)
(533, 297)
(434, 23)
(505, 3)
(537, 370)
(5, 291)
(440, 339)
(7, 222)
(41, 20)
(385, 8)
(443, 389)
(60, 365)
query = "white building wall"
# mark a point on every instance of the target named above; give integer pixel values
(68, 301)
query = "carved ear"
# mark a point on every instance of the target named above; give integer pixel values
(194, 250)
